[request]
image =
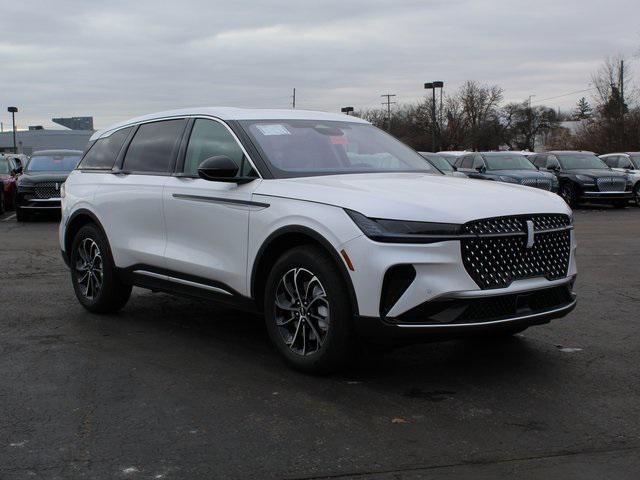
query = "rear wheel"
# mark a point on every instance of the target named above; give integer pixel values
(569, 194)
(93, 273)
(307, 311)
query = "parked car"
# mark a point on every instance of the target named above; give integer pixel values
(334, 230)
(507, 167)
(584, 177)
(441, 164)
(629, 163)
(9, 171)
(19, 158)
(38, 188)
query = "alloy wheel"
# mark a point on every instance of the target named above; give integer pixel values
(89, 268)
(567, 194)
(302, 311)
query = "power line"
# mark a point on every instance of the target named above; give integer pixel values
(388, 103)
(566, 94)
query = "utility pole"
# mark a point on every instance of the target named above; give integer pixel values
(388, 103)
(434, 120)
(13, 111)
(294, 98)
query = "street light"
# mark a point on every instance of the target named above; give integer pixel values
(12, 111)
(346, 110)
(432, 86)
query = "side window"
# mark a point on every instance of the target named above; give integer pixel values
(102, 155)
(611, 161)
(210, 139)
(552, 162)
(467, 161)
(154, 147)
(477, 161)
(624, 162)
(540, 161)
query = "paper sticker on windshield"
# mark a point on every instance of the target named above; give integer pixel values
(273, 129)
(335, 140)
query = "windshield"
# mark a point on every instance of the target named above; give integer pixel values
(4, 165)
(53, 163)
(635, 159)
(577, 161)
(503, 161)
(440, 162)
(297, 148)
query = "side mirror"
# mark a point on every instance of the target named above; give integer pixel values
(455, 169)
(218, 169)
(481, 169)
(221, 169)
(553, 168)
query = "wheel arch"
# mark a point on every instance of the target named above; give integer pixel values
(284, 239)
(79, 219)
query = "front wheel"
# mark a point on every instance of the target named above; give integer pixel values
(93, 273)
(21, 216)
(569, 194)
(636, 194)
(307, 311)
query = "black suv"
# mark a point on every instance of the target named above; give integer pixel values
(585, 178)
(508, 167)
(38, 188)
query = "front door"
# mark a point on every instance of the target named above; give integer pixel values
(207, 222)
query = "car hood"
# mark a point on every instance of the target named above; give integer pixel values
(417, 197)
(521, 173)
(595, 172)
(33, 177)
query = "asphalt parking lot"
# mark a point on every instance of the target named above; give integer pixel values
(180, 389)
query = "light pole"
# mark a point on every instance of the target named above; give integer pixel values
(13, 111)
(432, 86)
(346, 110)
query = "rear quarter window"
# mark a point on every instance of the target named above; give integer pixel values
(103, 153)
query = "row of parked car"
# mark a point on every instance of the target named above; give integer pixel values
(577, 176)
(32, 184)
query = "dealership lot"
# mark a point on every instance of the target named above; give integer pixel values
(175, 388)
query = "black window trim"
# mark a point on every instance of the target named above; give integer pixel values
(115, 162)
(182, 151)
(123, 152)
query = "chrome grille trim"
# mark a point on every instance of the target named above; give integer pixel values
(611, 184)
(498, 254)
(45, 190)
(542, 183)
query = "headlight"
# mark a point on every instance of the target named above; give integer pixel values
(508, 179)
(584, 178)
(401, 231)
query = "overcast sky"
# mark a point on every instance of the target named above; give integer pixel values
(117, 59)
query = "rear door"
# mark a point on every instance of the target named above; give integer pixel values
(208, 221)
(130, 203)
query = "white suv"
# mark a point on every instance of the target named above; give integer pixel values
(330, 227)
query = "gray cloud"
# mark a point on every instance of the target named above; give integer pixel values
(117, 59)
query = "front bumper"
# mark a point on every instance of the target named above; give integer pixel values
(607, 196)
(34, 204)
(448, 318)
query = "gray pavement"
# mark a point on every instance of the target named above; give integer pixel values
(181, 389)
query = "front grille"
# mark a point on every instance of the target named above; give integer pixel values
(542, 183)
(497, 253)
(44, 190)
(479, 310)
(611, 184)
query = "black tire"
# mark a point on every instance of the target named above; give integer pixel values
(569, 194)
(621, 204)
(21, 216)
(2, 206)
(108, 293)
(322, 327)
(636, 194)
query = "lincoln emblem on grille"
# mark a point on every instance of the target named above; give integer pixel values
(531, 234)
